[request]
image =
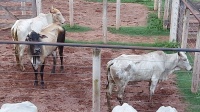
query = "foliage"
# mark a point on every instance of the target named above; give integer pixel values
(153, 22)
(154, 27)
(184, 85)
(76, 28)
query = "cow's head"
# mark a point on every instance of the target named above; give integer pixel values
(57, 16)
(34, 49)
(183, 62)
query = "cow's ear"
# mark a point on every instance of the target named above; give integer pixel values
(179, 54)
(52, 9)
(43, 36)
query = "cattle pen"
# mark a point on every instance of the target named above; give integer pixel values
(81, 87)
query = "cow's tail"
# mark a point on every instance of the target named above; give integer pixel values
(109, 64)
(15, 38)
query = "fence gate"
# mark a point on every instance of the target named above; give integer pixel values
(11, 10)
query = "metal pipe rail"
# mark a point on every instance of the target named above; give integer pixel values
(100, 46)
(191, 10)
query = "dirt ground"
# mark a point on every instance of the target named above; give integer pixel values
(71, 91)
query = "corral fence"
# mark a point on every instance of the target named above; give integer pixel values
(183, 18)
(96, 63)
(11, 10)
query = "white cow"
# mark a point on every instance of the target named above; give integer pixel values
(19, 107)
(22, 27)
(152, 67)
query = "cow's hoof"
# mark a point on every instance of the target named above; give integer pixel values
(42, 85)
(22, 68)
(36, 83)
(53, 71)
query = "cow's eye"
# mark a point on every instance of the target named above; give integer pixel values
(184, 59)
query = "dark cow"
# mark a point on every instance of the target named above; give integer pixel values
(38, 53)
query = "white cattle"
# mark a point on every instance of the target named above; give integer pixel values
(19, 107)
(166, 109)
(124, 108)
(22, 27)
(37, 53)
(152, 67)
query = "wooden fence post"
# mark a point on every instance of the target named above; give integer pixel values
(96, 81)
(71, 13)
(34, 8)
(39, 6)
(159, 8)
(196, 67)
(118, 14)
(185, 28)
(155, 4)
(174, 20)
(166, 14)
(23, 5)
(105, 21)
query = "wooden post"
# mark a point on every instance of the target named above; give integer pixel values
(159, 8)
(96, 81)
(105, 21)
(174, 20)
(166, 14)
(155, 4)
(185, 28)
(34, 8)
(71, 13)
(39, 6)
(23, 5)
(118, 14)
(196, 67)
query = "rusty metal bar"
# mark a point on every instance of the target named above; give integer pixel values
(100, 46)
(191, 10)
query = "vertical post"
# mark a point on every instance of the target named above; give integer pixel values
(118, 14)
(105, 21)
(34, 8)
(159, 8)
(39, 6)
(23, 5)
(71, 13)
(174, 20)
(185, 28)
(155, 4)
(166, 14)
(181, 13)
(196, 69)
(96, 79)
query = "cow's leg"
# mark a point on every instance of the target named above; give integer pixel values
(54, 62)
(109, 89)
(36, 79)
(121, 87)
(61, 57)
(152, 88)
(41, 75)
(17, 54)
(21, 53)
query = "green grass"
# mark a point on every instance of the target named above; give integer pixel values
(76, 28)
(147, 3)
(164, 44)
(154, 28)
(184, 84)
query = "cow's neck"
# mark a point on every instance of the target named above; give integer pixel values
(49, 18)
(171, 62)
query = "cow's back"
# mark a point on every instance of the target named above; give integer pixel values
(139, 67)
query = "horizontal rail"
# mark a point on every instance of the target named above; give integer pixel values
(100, 46)
(191, 10)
